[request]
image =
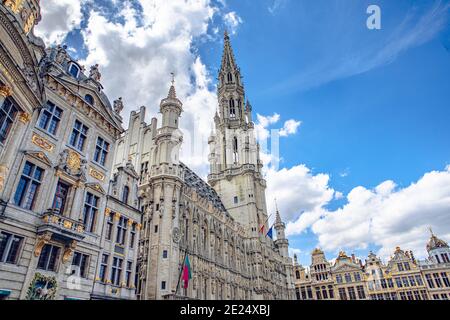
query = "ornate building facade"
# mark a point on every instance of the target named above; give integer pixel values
(217, 225)
(402, 278)
(88, 211)
(58, 134)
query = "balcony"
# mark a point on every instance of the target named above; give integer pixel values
(62, 227)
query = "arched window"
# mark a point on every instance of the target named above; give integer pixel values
(235, 151)
(232, 109)
(230, 77)
(125, 194)
(89, 99)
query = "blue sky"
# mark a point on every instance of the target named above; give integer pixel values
(373, 104)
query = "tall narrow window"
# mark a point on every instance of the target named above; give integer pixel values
(8, 112)
(59, 201)
(232, 108)
(50, 118)
(121, 230)
(101, 151)
(235, 151)
(90, 211)
(78, 136)
(9, 247)
(28, 187)
(133, 235)
(230, 77)
(103, 267)
(128, 273)
(48, 258)
(116, 271)
(109, 227)
(125, 194)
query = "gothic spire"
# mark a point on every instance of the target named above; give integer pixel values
(228, 60)
(277, 217)
(172, 92)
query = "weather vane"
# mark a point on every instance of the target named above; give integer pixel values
(173, 77)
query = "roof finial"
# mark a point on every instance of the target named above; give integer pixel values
(431, 231)
(172, 91)
(225, 34)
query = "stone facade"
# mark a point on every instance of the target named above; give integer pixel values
(218, 225)
(88, 211)
(56, 152)
(402, 278)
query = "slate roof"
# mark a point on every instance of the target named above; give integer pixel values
(202, 188)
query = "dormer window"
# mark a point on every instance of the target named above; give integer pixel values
(89, 99)
(74, 70)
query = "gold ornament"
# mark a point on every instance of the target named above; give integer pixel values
(97, 175)
(24, 117)
(5, 91)
(14, 5)
(73, 161)
(42, 143)
(41, 241)
(68, 251)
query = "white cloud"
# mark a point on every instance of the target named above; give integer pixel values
(290, 127)
(276, 5)
(59, 18)
(298, 190)
(138, 52)
(385, 216)
(232, 21)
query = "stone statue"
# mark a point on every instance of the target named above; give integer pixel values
(63, 158)
(61, 55)
(94, 73)
(118, 105)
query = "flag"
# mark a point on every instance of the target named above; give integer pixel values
(269, 233)
(261, 230)
(186, 272)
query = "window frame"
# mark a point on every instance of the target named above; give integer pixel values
(30, 179)
(90, 212)
(49, 258)
(8, 247)
(101, 151)
(83, 271)
(69, 70)
(52, 117)
(77, 133)
(7, 118)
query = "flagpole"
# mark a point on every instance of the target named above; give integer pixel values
(181, 271)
